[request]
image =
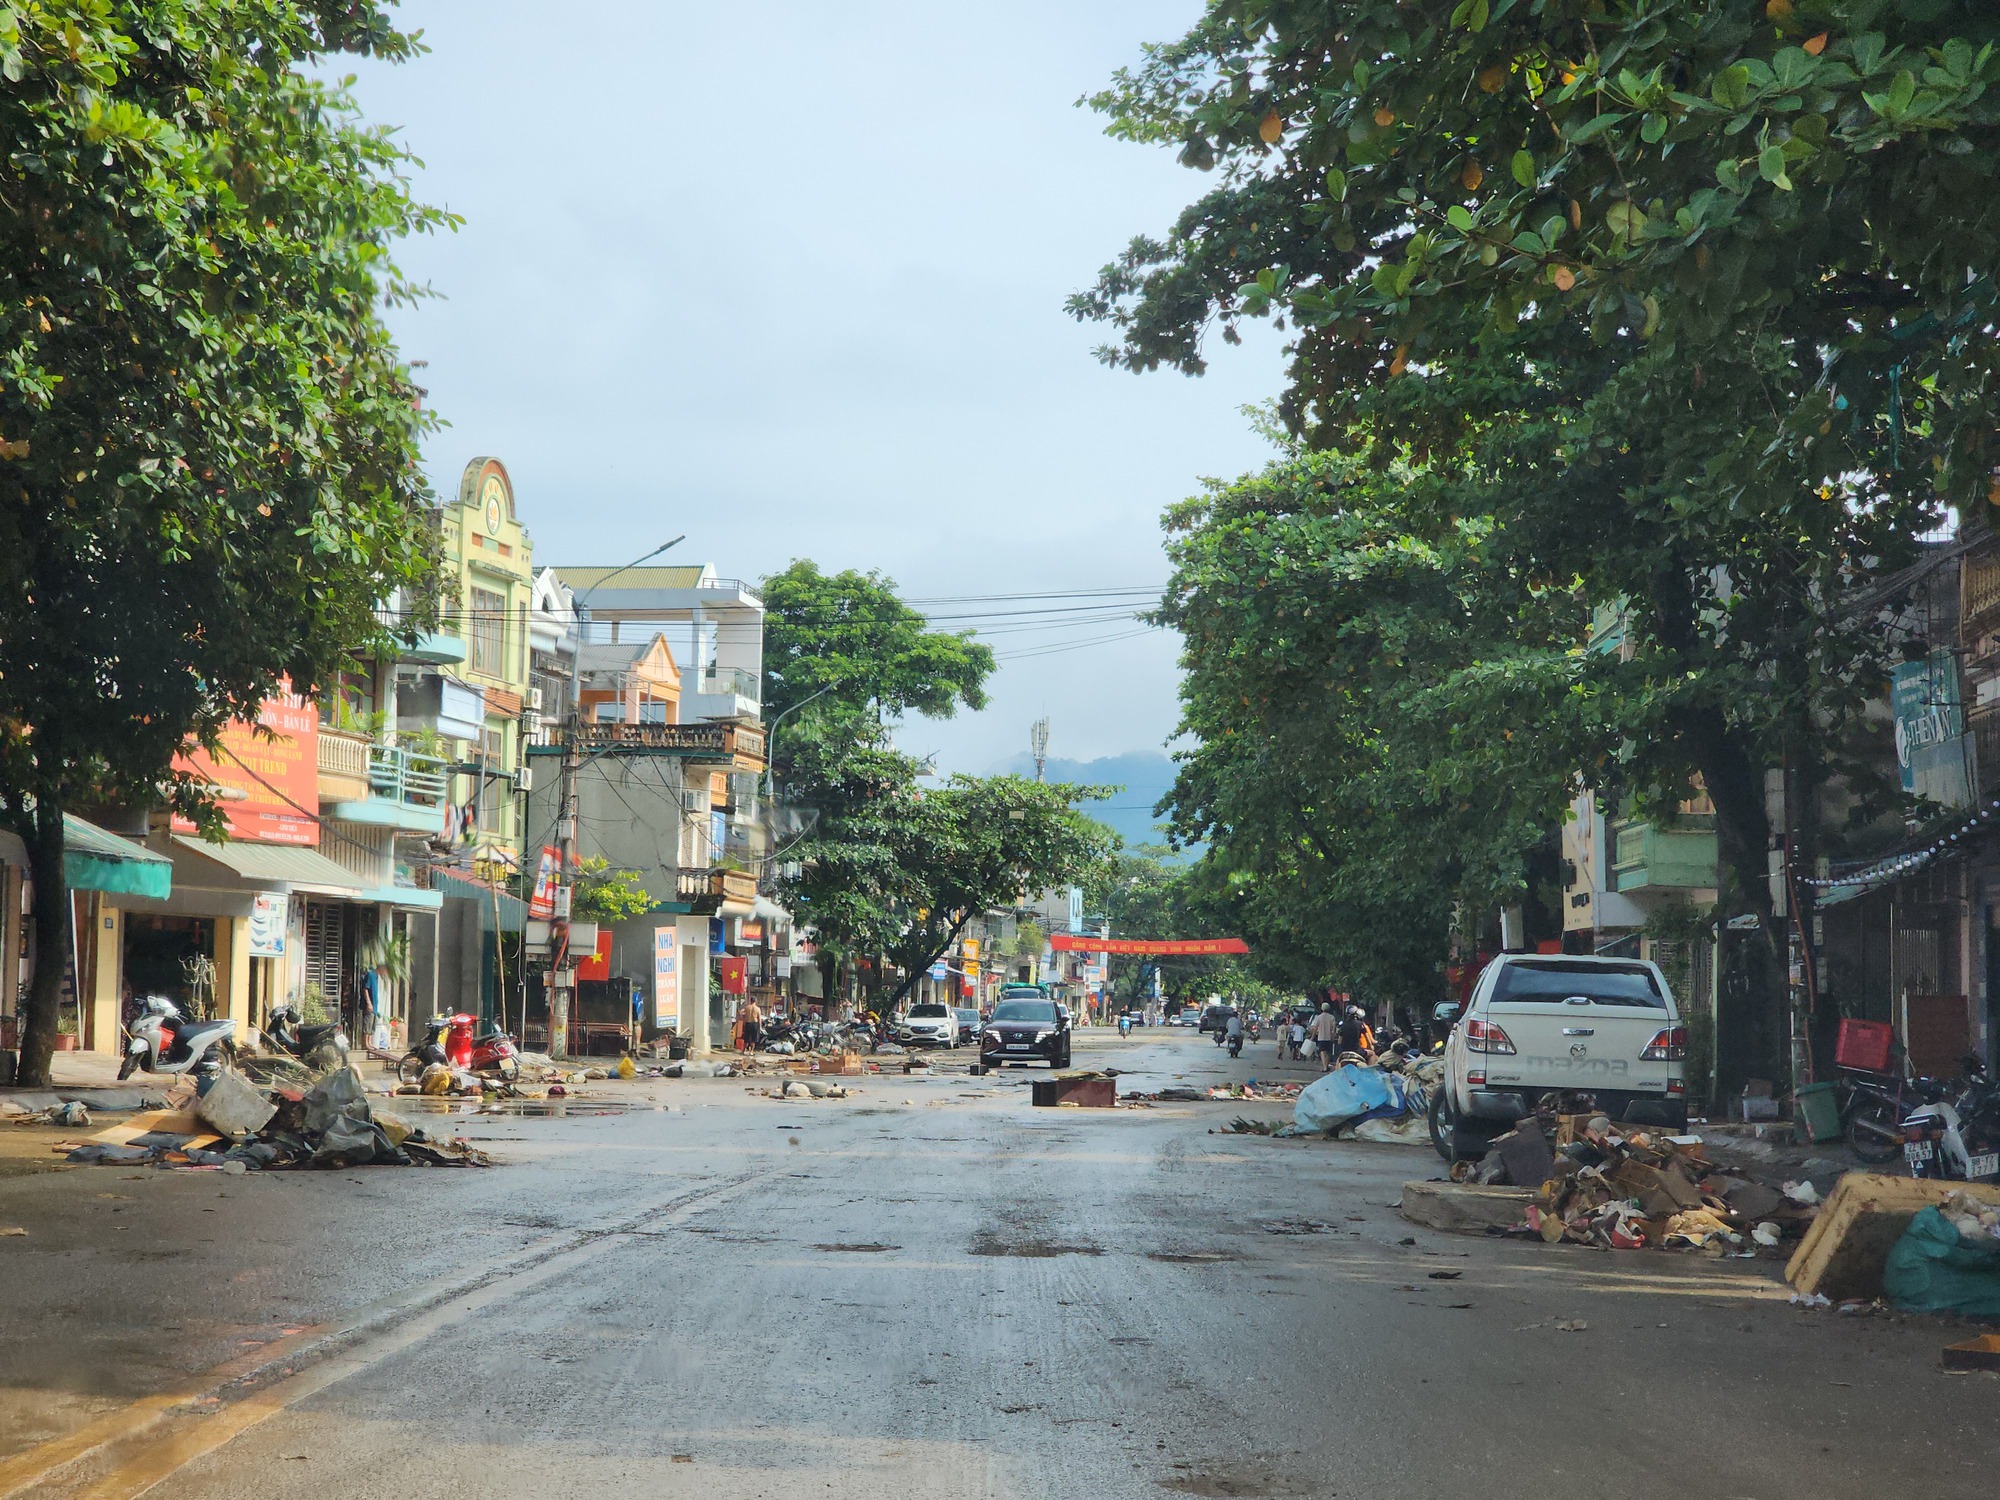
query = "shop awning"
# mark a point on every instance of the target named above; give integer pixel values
(285, 866)
(404, 895)
(94, 860)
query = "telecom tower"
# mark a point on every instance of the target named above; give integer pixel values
(1038, 744)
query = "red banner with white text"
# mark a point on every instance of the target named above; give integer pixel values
(1084, 943)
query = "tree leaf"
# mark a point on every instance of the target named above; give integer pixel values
(1522, 165)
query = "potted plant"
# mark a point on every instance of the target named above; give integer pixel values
(66, 1032)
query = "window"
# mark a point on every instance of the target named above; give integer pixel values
(1554, 982)
(496, 747)
(1025, 1010)
(927, 1012)
(487, 636)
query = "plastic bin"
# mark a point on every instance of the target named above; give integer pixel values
(1865, 1045)
(1817, 1108)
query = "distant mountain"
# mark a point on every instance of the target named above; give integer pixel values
(1146, 776)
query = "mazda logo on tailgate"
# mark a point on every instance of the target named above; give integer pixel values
(1577, 1049)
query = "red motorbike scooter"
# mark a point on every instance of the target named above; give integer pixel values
(449, 1040)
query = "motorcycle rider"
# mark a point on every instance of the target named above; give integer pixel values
(1234, 1031)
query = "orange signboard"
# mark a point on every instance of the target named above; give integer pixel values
(267, 785)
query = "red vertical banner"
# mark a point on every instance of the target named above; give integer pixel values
(734, 972)
(543, 902)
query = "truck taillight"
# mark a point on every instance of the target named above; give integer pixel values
(1667, 1045)
(1484, 1036)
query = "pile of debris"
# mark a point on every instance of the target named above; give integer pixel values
(236, 1126)
(1253, 1089)
(1597, 1185)
(805, 1088)
(1382, 1101)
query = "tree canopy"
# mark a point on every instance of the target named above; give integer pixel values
(885, 867)
(1683, 309)
(208, 442)
(850, 637)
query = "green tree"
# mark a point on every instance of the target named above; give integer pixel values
(848, 636)
(607, 895)
(1686, 295)
(208, 443)
(893, 870)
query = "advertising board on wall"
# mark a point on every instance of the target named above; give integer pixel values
(266, 775)
(666, 981)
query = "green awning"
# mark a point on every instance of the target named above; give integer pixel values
(291, 866)
(94, 860)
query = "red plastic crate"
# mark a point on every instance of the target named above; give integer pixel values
(1865, 1045)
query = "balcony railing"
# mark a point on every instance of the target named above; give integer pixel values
(404, 776)
(343, 755)
(1980, 589)
(732, 680)
(705, 890)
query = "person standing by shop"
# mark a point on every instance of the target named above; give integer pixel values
(752, 1017)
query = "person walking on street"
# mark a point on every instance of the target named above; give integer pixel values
(1325, 1032)
(1297, 1035)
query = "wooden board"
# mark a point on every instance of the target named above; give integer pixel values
(183, 1125)
(1982, 1353)
(1843, 1252)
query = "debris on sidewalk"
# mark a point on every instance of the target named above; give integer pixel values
(330, 1124)
(1844, 1253)
(1948, 1261)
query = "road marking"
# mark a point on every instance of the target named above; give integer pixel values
(372, 1336)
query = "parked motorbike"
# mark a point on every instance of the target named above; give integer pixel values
(161, 1039)
(1876, 1106)
(1957, 1138)
(450, 1040)
(322, 1046)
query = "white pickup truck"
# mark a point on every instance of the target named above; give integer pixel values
(1603, 1032)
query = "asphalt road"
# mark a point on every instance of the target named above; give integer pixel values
(929, 1289)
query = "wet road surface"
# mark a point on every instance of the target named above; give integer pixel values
(928, 1289)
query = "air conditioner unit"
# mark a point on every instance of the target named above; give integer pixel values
(524, 779)
(694, 799)
(534, 700)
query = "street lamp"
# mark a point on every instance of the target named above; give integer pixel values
(561, 975)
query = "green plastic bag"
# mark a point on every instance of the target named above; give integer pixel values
(1932, 1270)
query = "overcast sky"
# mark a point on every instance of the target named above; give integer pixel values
(789, 278)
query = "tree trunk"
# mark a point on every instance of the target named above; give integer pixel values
(1750, 1032)
(51, 918)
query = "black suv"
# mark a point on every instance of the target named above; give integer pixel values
(1023, 1029)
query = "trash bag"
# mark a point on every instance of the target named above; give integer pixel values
(346, 1142)
(436, 1079)
(337, 1094)
(1349, 1093)
(1933, 1269)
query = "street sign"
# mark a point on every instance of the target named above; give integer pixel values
(939, 970)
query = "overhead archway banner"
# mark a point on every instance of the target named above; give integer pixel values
(1084, 943)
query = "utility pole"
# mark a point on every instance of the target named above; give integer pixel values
(562, 967)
